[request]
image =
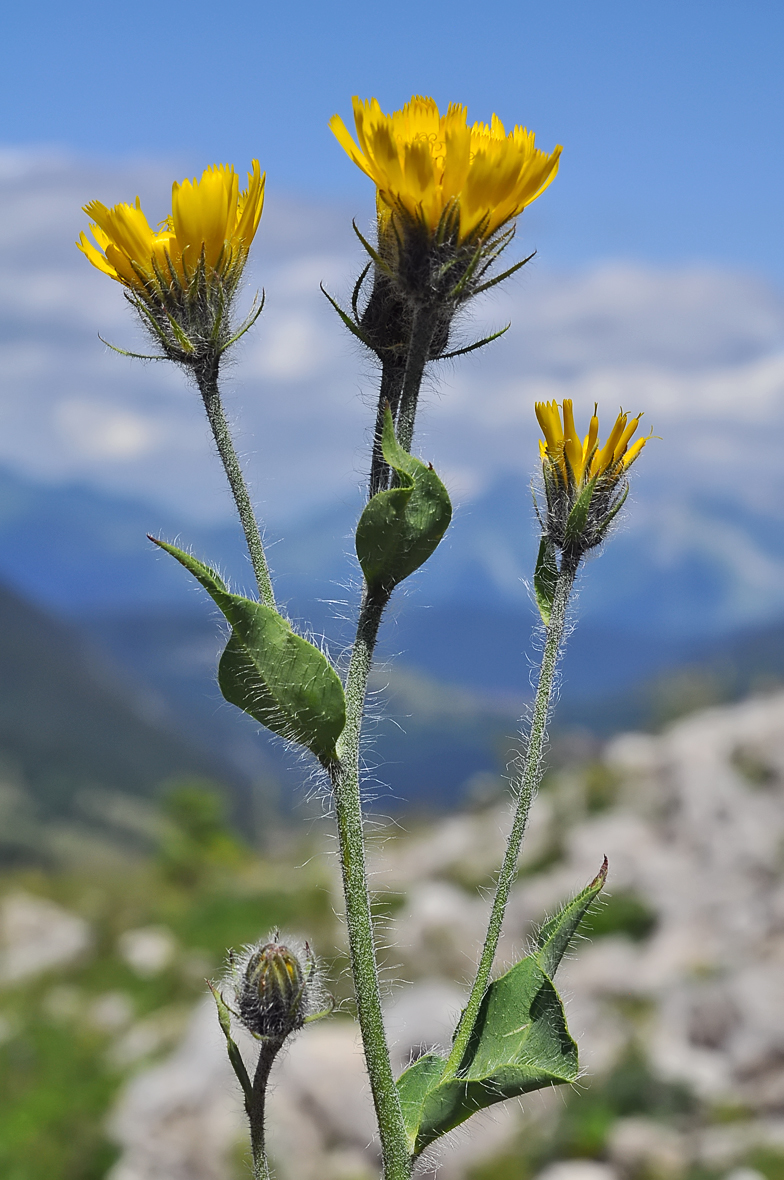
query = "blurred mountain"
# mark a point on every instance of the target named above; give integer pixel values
(81, 746)
(676, 570)
(681, 609)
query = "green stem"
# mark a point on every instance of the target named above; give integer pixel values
(400, 388)
(525, 790)
(422, 331)
(392, 374)
(208, 386)
(348, 808)
(255, 1105)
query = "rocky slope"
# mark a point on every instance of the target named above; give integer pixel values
(676, 998)
(686, 969)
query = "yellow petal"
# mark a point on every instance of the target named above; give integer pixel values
(550, 422)
(341, 133)
(623, 441)
(604, 458)
(634, 451)
(572, 447)
(95, 256)
(251, 203)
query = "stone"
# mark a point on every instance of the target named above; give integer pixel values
(37, 936)
(148, 950)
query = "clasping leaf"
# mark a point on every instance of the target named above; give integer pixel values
(401, 527)
(545, 579)
(520, 1041)
(270, 672)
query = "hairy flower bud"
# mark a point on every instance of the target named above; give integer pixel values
(275, 986)
(585, 481)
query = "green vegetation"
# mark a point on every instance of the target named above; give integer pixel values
(621, 913)
(769, 1162)
(581, 1128)
(68, 1035)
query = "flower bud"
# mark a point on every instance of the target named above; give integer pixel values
(274, 986)
(585, 481)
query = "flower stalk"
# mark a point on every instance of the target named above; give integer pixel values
(345, 777)
(423, 328)
(207, 381)
(433, 255)
(524, 789)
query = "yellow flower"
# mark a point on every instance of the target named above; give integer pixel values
(586, 459)
(210, 218)
(424, 163)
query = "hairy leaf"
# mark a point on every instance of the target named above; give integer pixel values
(519, 1043)
(545, 579)
(270, 672)
(578, 516)
(401, 527)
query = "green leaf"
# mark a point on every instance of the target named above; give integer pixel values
(235, 1057)
(401, 527)
(578, 516)
(545, 578)
(520, 1042)
(270, 672)
(605, 524)
(557, 932)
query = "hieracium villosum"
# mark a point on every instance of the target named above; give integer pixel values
(448, 198)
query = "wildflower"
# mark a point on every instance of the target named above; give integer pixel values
(447, 195)
(183, 276)
(584, 480)
(429, 165)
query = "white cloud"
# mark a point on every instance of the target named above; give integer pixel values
(701, 351)
(100, 432)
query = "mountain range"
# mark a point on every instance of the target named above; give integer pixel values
(93, 604)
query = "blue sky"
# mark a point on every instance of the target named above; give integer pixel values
(670, 113)
(658, 285)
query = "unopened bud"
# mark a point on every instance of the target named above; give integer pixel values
(274, 985)
(585, 481)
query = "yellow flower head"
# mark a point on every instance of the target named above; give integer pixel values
(584, 480)
(425, 164)
(585, 459)
(210, 219)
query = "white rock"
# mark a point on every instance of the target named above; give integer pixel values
(147, 1037)
(637, 1144)
(423, 1016)
(148, 950)
(180, 1120)
(37, 935)
(111, 1011)
(320, 1103)
(578, 1170)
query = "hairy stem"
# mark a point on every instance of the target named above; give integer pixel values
(525, 790)
(348, 807)
(208, 387)
(423, 329)
(255, 1105)
(400, 387)
(392, 374)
